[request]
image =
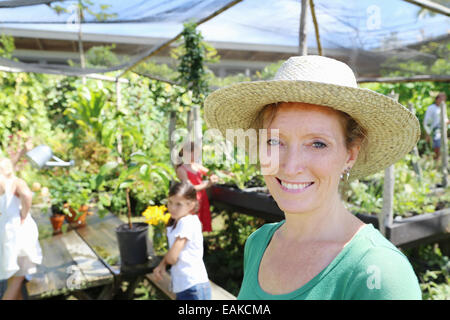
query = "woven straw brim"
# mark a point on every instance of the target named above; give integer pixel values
(392, 130)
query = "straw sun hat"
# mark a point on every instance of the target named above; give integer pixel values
(392, 130)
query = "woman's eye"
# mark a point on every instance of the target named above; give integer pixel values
(273, 142)
(319, 145)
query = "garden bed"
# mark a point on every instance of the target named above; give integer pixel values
(405, 232)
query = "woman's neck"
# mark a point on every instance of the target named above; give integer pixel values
(327, 223)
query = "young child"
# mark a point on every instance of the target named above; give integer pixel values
(189, 277)
(194, 172)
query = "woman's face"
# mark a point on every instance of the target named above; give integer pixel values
(311, 156)
(179, 206)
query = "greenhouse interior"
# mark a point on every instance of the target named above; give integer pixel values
(109, 108)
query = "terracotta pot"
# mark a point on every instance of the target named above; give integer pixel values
(57, 221)
(72, 218)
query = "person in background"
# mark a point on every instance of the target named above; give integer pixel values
(19, 246)
(193, 172)
(432, 123)
(184, 233)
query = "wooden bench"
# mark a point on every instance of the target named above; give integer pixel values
(79, 260)
(217, 293)
(69, 265)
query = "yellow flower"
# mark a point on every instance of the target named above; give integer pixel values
(154, 215)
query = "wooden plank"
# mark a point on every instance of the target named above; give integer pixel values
(68, 265)
(162, 285)
(100, 234)
(91, 271)
(51, 276)
(420, 227)
(217, 293)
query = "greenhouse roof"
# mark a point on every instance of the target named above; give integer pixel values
(386, 35)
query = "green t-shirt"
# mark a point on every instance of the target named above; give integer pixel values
(369, 267)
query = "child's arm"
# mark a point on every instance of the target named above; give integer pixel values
(25, 196)
(182, 175)
(171, 257)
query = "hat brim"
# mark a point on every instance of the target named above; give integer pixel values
(392, 130)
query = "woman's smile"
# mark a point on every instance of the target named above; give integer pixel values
(293, 187)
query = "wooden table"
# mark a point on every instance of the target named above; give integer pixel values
(85, 262)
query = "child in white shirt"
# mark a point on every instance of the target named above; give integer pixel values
(189, 277)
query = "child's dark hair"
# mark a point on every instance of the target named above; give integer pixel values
(185, 190)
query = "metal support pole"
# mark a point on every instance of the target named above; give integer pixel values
(414, 151)
(172, 125)
(386, 215)
(197, 130)
(119, 129)
(316, 27)
(303, 47)
(444, 144)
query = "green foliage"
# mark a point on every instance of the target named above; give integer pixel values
(86, 7)
(153, 69)
(101, 56)
(89, 110)
(418, 95)
(433, 270)
(6, 46)
(192, 55)
(269, 71)
(72, 187)
(225, 250)
(439, 64)
(411, 195)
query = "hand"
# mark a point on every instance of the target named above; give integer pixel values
(213, 179)
(158, 272)
(29, 144)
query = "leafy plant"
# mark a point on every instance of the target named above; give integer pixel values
(192, 54)
(90, 112)
(433, 270)
(411, 195)
(70, 190)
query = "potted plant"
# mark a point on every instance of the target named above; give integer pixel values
(156, 217)
(70, 197)
(77, 207)
(57, 200)
(132, 237)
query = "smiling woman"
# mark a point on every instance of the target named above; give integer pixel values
(319, 127)
(312, 153)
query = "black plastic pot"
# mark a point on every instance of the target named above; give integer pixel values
(133, 243)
